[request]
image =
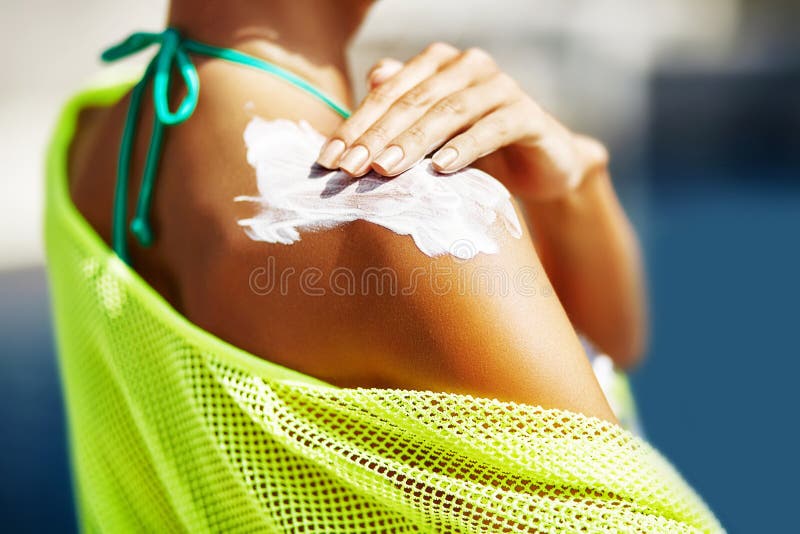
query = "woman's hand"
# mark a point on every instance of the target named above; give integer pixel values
(462, 104)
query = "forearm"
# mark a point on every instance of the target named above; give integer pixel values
(591, 255)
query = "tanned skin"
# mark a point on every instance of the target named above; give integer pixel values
(512, 345)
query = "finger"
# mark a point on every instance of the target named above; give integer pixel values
(496, 130)
(380, 99)
(446, 118)
(382, 71)
(469, 68)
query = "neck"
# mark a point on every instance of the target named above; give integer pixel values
(308, 37)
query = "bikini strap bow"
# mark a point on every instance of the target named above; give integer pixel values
(172, 55)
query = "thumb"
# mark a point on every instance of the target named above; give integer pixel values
(382, 71)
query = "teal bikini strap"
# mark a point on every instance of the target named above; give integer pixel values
(174, 54)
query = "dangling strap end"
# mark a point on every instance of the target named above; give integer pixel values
(134, 43)
(140, 228)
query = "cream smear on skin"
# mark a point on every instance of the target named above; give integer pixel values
(461, 214)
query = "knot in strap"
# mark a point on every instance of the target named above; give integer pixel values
(172, 54)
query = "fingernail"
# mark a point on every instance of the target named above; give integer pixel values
(389, 158)
(445, 157)
(354, 159)
(331, 152)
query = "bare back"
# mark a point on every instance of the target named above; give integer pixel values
(285, 303)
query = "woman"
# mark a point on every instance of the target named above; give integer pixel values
(460, 406)
(459, 102)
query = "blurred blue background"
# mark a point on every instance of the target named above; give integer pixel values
(699, 103)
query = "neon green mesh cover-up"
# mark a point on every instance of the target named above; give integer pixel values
(173, 430)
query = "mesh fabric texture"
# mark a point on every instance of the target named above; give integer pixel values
(171, 429)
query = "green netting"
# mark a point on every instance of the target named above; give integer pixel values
(172, 429)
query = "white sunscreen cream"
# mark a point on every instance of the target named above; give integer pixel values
(462, 214)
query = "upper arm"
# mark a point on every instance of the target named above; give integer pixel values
(489, 326)
(359, 305)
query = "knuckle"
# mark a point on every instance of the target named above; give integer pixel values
(347, 133)
(499, 125)
(451, 105)
(373, 72)
(377, 134)
(466, 142)
(596, 153)
(478, 56)
(380, 66)
(416, 135)
(419, 97)
(381, 63)
(382, 95)
(506, 82)
(528, 107)
(439, 48)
